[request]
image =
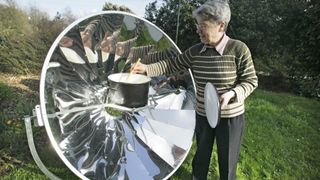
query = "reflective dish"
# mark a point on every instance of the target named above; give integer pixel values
(94, 137)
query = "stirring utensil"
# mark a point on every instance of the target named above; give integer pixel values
(128, 77)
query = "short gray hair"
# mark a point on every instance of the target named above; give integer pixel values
(214, 10)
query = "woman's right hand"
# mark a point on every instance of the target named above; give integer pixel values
(139, 68)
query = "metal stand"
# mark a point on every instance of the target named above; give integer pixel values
(34, 153)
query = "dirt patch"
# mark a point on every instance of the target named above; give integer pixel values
(26, 83)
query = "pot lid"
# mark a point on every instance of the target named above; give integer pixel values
(212, 104)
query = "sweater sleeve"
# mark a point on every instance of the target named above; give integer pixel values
(171, 65)
(247, 79)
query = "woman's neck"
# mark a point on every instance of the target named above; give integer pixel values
(217, 41)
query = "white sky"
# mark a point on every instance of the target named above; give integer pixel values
(81, 8)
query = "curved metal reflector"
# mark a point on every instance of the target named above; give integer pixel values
(100, 140)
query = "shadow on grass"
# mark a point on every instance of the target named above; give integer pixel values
(32, 84)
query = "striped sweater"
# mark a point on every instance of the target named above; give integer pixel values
(233, 70)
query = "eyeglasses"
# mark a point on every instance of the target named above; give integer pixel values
(202, 25)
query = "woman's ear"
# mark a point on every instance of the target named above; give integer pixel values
(221, 26)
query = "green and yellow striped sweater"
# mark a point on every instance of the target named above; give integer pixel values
(233, 70)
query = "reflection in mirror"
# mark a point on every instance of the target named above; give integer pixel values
(97, 137)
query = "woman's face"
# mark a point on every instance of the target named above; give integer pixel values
(106, 45)
(119, 49)
(209, 32)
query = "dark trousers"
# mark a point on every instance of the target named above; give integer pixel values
(228, 135)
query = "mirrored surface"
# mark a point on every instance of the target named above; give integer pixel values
(95, 135)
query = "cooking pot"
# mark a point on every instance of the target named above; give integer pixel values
(129, 90)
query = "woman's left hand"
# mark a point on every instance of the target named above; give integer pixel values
(226, 97)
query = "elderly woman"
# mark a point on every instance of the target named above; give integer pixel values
(227, 63)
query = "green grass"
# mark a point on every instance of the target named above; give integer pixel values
(15, 158)
(5, 93)
(282, 137)
(281, 141)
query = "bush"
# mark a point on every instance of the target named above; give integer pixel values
(308, 87)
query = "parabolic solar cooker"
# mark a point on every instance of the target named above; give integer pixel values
(103, 121)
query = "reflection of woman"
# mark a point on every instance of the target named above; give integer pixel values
(122, 53)
(108, 50)
(156, 56)
(227, 63)
(100, 27)
(99, 38)
(139, 52)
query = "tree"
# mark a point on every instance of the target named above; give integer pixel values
(283, 36)
(67, 16)
(25, 38)
(13, 21)
(306, 67)
(165, 17)
(114, 7)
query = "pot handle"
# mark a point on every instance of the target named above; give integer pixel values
(108, 89)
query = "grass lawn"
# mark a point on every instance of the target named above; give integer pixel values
(281, 139)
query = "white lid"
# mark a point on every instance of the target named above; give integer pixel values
(129, 78)
(211, 104)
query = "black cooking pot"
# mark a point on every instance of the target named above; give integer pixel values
(129, 90)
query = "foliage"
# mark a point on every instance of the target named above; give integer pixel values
(113, 7)
(17, 50)
(25, 38)
(16, 161)
(13, 21)
(283, 36)
(165, 17)
(44, 29)
(5, 93)
(306, 67)
(21, 55)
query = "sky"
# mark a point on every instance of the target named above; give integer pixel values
(81, 8)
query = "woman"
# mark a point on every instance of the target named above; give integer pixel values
(226, 63)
